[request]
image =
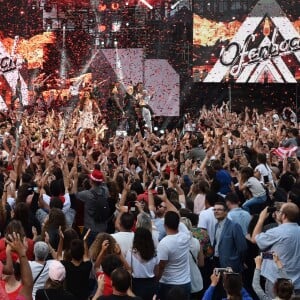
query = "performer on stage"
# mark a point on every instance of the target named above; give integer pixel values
(87, 106)
(147, 111)
(130, 112)
(115, 108)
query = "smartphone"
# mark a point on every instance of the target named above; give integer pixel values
(131, 206)
(266, 179)
(291, 159)
(222, 270)
(238, 152)
(160, 190)
(267, 255)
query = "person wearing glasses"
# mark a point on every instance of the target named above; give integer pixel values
(283, 287)
(229, 243)
(284, 240)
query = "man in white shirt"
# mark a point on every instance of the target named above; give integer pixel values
(207, 218)
(125, 236)
(173, 256)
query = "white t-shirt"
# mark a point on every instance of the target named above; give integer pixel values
(67, 203)
(255, 187)
(125, 241)
(175, 250)
(208, 221)
(141, 268)
(264, 170)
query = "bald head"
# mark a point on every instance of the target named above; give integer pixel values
(291, 211)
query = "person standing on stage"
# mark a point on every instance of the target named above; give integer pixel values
(129, 108)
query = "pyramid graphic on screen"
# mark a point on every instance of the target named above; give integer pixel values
(266, 48)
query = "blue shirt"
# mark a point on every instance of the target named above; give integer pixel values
(224, 179)
(284, 240)
(210, 291)
(240, 216)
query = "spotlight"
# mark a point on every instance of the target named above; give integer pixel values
(147, 4)
(161, 131)
(115, 6)
(115, 43)
(155, 128)
(102, 7)
(101, 28)
(116, 26)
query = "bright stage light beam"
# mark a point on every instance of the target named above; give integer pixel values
(175, 4)
(147, 4)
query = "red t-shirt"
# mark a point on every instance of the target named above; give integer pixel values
(29, 252)
(12, 295)
(107, 290)
(3, 294)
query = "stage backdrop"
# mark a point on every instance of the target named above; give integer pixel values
(238, 42)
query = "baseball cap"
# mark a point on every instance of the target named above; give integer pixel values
(57, 271)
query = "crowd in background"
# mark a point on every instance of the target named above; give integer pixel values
(208, 210)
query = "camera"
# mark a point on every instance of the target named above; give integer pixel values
(267, 255)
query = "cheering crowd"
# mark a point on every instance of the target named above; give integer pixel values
(209, 210)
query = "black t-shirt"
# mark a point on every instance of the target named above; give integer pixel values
(54, 294)
(115, 297)
(77, 278)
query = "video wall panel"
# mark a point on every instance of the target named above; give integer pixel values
(246, 41)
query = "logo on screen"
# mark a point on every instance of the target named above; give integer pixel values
(264, 49)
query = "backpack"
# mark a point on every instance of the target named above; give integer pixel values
(102, 210)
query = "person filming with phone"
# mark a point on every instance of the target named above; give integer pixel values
(283, 240)
(232, 283)
(283, 287)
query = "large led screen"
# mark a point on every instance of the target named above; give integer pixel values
(246, 41)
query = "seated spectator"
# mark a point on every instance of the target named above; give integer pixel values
(250, 182)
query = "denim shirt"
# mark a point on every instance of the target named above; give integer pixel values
(240, 216)
(284, 240)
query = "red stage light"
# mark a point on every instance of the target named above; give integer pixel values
(101, 28)
(102, 7)
(115, 6)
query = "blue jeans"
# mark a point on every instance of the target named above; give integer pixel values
(164, 289)
(254, 201)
